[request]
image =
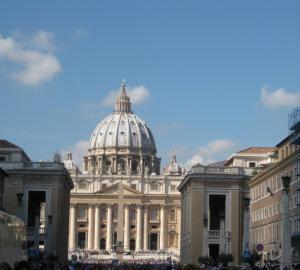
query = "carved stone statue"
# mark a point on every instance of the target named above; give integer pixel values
(120, 169)
(108, 169)
(147, 170)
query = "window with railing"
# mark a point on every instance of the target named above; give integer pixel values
(154, 214)
(82, 213)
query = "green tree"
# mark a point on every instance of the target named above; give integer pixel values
(225, 259)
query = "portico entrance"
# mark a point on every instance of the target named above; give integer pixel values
(153, 241)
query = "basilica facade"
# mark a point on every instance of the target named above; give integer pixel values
(121, 194)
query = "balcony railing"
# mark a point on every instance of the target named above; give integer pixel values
(223, 170)
(214, 234)
(32, 165)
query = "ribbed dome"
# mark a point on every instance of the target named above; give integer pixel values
(173, 168)
(123, 129)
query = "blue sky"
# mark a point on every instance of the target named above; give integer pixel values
(220, 75)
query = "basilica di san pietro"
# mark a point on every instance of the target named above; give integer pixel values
(121, 172)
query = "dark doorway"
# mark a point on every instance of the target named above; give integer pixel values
(132, 244)
(134, 167)
(216, 209)
(213, 251)
(35, 200)
(102, 244)
(81, 240)
(153, 241)
(115, 238)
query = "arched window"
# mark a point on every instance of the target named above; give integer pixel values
(132, 244)
(102, 244)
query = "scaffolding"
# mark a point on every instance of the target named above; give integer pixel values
(294, 126)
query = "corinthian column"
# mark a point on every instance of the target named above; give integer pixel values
(72, 239)
(179, 228)
(97, 227)
(109, 228)
(146, 223)
(90, 226)
(138, 228)
(162, 239)
(126, 229)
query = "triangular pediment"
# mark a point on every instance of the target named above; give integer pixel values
(114, 190)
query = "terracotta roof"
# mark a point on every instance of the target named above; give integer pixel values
(7, 144)
(258, 150)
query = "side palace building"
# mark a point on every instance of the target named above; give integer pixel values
(122, 156)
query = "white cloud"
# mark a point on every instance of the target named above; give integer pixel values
(138, 95)
(78, 151)
(43, 40)
(32, 57)
(214, 151)
(279, 98)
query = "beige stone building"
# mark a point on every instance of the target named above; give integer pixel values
(122, 156)
(38, 193)
(266, 191)
(213, 211)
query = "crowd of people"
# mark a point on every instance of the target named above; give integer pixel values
(90, 256)
(90, 260)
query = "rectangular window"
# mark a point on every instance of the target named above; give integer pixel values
(82, 185)
(154, 186)
(3, 158)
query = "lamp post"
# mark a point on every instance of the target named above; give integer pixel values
(286, 258)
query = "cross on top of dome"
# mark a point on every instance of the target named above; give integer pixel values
(123, 103)
(123, 84)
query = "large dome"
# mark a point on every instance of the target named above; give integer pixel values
(123, 129)
(122, 143)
